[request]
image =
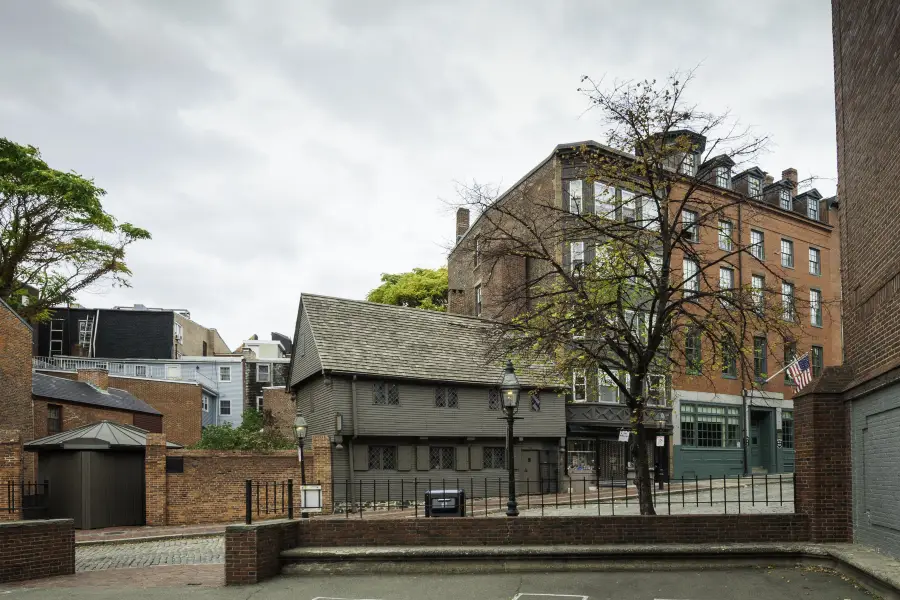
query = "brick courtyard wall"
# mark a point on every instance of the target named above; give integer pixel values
(11, 474)
(681, 529)
(36, 549)
(180, 402)
(321, 470)
(251, 551)
(823, 483)
(155, 478)
(15, 378)
(212, 487)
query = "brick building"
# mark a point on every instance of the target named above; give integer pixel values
(867, 63)
(720, 424)
(15, 373)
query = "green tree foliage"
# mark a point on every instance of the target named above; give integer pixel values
(254, 433)
(55, 237)
(420, 288)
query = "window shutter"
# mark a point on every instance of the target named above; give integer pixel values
(462, 458)
(404, 458)
(422, 458)
(360, 457)
(476, 456)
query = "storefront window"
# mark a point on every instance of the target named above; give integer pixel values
(582, 456)
(705, 426)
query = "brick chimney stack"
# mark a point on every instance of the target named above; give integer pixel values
(96, 377)
(791, 175)
(462, 222)
(769, 179)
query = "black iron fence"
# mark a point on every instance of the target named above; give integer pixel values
(268, 499)
(31, 498)
(487, 496)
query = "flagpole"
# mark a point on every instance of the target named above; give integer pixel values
(785, 368)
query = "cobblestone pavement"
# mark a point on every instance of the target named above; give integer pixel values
(188, 551)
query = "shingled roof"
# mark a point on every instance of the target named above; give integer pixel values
(366, 338)
(66, 390)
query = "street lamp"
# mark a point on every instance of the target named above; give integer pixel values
(509, 392)
(300, 429)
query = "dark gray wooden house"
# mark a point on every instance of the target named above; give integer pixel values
(410, 401)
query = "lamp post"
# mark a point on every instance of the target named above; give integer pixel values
(509, 392)
(300, 430)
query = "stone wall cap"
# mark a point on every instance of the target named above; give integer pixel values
(239, 527)
(37, 523)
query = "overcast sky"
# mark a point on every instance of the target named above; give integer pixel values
(279, 147)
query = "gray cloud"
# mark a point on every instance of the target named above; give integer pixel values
(276, 147)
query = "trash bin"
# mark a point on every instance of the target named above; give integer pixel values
(445, 503)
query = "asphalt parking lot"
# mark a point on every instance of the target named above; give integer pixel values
(731, 584)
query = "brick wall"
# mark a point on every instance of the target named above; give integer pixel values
(822, 457)
(36, 549)
(15, 377)
(11, 474)
(181, 404)
(321, 471)
(866, 37)
(252, 551)
(155, 480)
(282, 408)
(75, 415)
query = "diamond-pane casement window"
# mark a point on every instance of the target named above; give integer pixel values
(386, 393)
(382, 458)
(441, 457)
(452, 398)
(446, 397)
(494, 458)
(494, 399)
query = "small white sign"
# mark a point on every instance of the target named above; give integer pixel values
(311, 498)
(300, 454)
(660, 441)
(624, 435)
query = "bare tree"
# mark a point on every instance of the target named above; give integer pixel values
(635, 270)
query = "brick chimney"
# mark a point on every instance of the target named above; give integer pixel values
(96, 377)
(462, 222)
(769, 179)
(791, 175)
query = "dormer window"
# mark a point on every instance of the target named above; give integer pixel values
(753, 187)
(785, 199)
(688, 164)
(812, 209)
(723, 177)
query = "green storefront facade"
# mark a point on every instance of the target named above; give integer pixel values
(723, 435)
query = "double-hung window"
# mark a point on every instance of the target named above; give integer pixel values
(723, 177)
(54, 418)
(787, 253)
(784, 198)
(629, 206)
(690, 226)
(579, 385)
(729, 360)
(224, 374)
(753, 187)
(576, 256)
(760, 359)
(726, 230)
(817, 358)
(815, 307)
(815, 261)
(726, 281)
(688, 164)
(757, 244)
(693, 357)
(757, 290)
(649, 213)
(576, 196)
(691, 277)
(263, 372)
(790, 353)
(607, 390)
(787, 301)
(604, 200)
(812, 209)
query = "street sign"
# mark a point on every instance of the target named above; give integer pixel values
(660, 441)
(624, 435)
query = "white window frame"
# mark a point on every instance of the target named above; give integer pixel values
(818, 262)
(726, 278)
(478, 300)
(605, 381)
(758, 249)
(691, 276)
(723, 177)
(726, 232)
(259, 377)
(576, 256)
(788, 310)
(629, 206)
(576, 196)
(787, 258)
(178, 332)
(689, 223)
(758, 291)
(605, 200)
(812, 209)
(579, 374)
(259, 403)
(649, 213)
(784, 199)
(222, 370)
(84, 333)
(754, 187)
(815, 307)
(144, 367)
(225, 408)
(205, 400)
(688, 164)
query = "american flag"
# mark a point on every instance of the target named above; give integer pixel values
(801, 372)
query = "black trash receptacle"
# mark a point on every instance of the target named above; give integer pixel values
(445, 503)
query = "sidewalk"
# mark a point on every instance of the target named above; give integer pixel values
(130, 534)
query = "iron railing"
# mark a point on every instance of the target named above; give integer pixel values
(487, 496)
(268, 499)
(123, 369)
(31, 498)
